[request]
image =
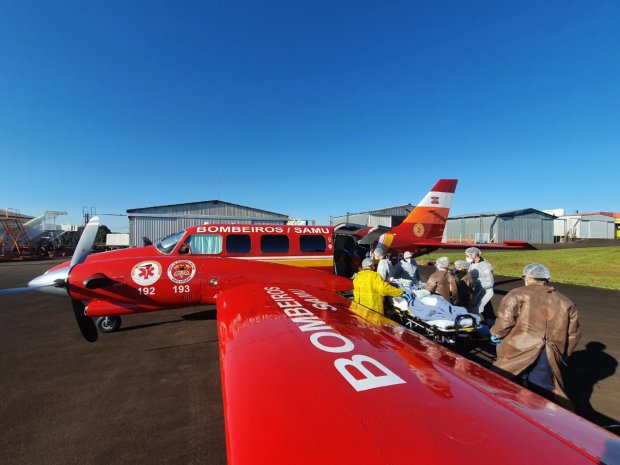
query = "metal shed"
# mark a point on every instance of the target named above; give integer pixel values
(390, 217)
(533, 226)
(584, 226)
(161, 221)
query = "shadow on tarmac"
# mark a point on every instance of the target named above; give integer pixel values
(202, 315)
(584, 370)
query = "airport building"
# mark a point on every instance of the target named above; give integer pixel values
(389, 217)
(594, 225)
(530, 225)
(158, 222)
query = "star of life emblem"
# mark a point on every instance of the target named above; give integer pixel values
(146, 273)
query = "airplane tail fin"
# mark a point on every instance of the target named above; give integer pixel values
(427, 220)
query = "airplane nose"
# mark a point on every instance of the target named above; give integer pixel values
(52, 282)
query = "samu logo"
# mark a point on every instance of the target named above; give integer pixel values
(181, 271)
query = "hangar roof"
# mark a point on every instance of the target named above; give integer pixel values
(512, 213)
(398, 210)
(195, 206)
(614, 215)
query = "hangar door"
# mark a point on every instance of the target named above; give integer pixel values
(532, 230)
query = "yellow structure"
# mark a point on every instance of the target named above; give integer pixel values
(617, 228)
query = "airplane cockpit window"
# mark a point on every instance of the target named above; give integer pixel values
(205, 244)
(168, 244)
(238, 243)
(312, 244)
(274, 244)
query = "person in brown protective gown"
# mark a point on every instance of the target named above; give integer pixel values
(464, 283)
(442, 281)
(537, 329)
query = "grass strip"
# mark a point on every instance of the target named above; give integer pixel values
(592, 266)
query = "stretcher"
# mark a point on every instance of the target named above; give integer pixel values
(433, 316)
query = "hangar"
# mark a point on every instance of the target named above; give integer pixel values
(595, 225)
(390, 217)
(533, 226)
(529, 224)
(161, 221)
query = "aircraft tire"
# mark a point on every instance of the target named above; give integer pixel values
(108, 324)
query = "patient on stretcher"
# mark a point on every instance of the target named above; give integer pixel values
(430, 307)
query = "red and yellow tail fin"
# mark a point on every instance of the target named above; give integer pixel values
(426, 221)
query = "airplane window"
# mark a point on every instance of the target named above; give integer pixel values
(312, 244)
(205, 244)
(168, 244)
(238, 243)
(274, 244)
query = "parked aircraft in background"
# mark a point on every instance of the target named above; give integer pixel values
(309, 376)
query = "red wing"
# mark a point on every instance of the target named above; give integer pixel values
(506, 245)
(310, 377)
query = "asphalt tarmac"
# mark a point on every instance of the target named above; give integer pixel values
(151, 392)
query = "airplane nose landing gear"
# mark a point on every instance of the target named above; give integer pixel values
(108, 324)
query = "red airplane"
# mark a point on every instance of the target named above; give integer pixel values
(311, 377)
(171, 274)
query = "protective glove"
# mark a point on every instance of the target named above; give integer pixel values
(495, 340)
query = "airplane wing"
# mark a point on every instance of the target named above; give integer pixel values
(506, 245)
(310, 377)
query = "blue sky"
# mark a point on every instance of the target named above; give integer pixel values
(308, 108)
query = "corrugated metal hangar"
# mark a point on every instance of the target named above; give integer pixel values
(528, 225)
(599, 225)
(531, 225)
(161, 221)
(390, 217)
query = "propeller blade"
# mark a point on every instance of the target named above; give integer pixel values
(86, 324)
(16, 290)
(87, 239)
(32, 286)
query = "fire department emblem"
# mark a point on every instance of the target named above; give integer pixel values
(146, 273)
(181, 271)
(418, 229)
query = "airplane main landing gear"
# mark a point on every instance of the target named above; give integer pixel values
(108, 324)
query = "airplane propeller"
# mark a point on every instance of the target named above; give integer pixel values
(55, 282)
(87, 239)
(16, 290)
(86, 324)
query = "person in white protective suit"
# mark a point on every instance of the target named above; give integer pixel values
(407, 268)
(384, 266)
(481, 273)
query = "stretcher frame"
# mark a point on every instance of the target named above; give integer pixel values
(454, 333)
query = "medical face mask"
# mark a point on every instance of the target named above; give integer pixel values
(469, 260)
(525, 280)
